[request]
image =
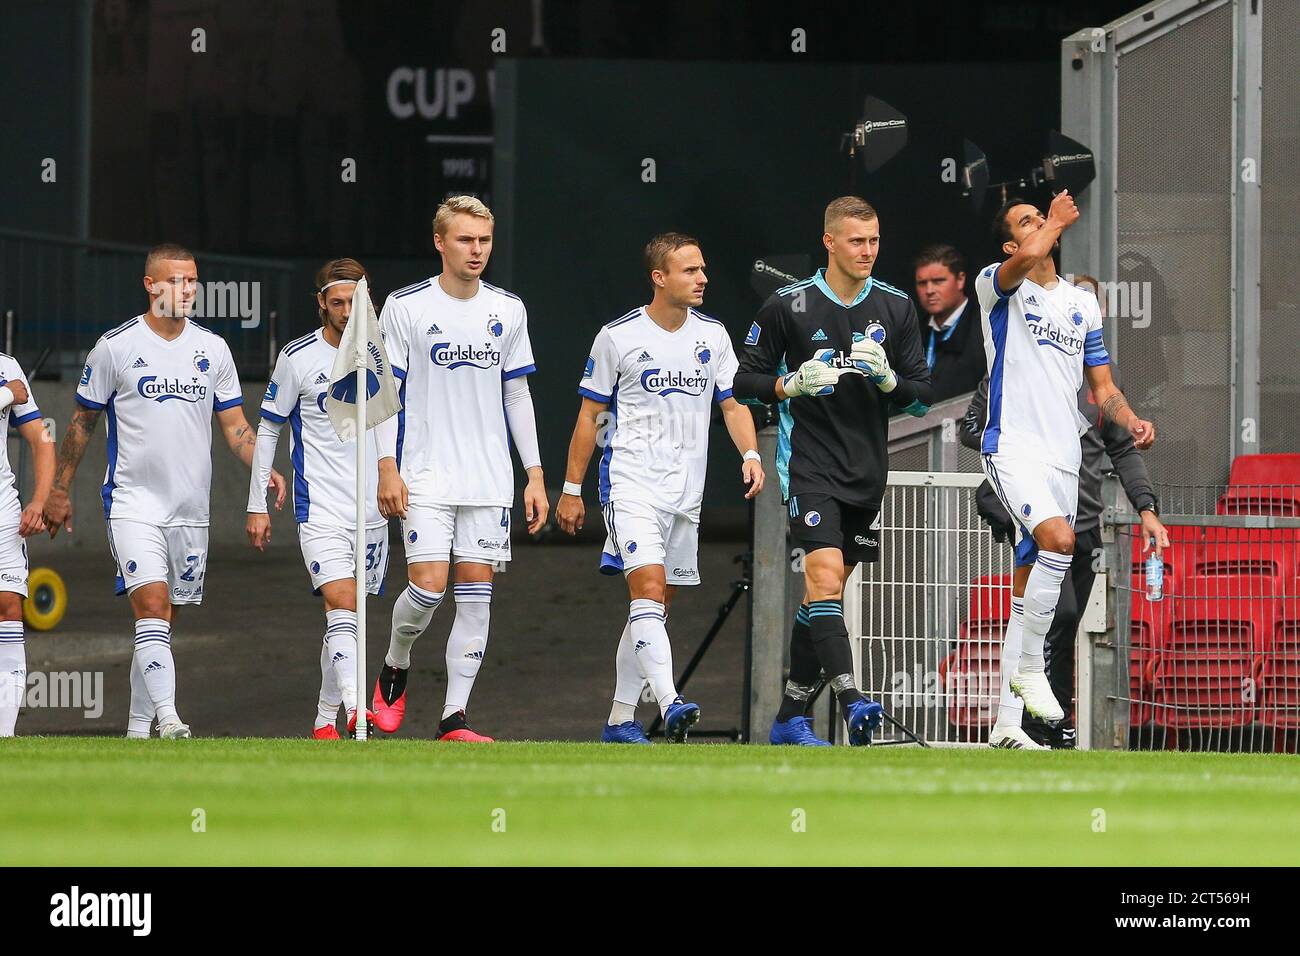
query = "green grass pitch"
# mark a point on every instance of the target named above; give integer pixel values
(99, 801)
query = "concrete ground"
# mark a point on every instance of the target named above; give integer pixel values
(248, 659)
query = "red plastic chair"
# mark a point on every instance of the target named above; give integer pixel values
(990, 599)
(1265, 470)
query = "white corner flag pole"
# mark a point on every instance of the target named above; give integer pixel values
(359, 559)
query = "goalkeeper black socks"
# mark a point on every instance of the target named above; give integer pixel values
(805, 669)
(830, 640)
(452, 722)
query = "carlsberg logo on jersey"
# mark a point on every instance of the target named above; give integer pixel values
(161, 389)
(454, 356)
(1048, 334)
(656, 380)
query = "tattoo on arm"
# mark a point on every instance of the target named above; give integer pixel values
(1112, 407)
(80, 430)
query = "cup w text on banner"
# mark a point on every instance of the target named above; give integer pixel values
(382, 401)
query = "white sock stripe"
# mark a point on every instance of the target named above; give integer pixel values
(423, 598)
(162, 637)
(10, 626)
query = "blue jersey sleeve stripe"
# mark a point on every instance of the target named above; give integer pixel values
(997, 289)
(399, 373)
(24, 419)
(594, 396)
(1102, 359)
(274, 416)
(97, 406)
(720, 395)
(516, 373)
(228, 403)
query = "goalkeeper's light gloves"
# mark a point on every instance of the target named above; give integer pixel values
(868, 357)
(815, 377)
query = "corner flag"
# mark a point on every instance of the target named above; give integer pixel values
(361, 337)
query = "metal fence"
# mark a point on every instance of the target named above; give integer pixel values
(1214, 664)
(61, 294)
(1191, 108)
(927, 619)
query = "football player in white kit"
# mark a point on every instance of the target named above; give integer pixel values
(1042, 337)
(324, 490)
(158, 379)
(460, 348)
(658, 369)
(17, 523)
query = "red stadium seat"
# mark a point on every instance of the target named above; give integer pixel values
(990, 599)
(970, 677)
(1280, 682)
(1210, 671)
(1265, 470)
(1278, 500)
(1273, 553)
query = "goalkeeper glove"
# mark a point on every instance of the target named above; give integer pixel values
(869, 358)
(815, 377)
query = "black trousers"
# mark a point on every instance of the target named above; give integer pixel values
(1058, 649)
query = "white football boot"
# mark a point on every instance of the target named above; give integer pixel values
(1037, 694)
(1013, 738)
(174, 730)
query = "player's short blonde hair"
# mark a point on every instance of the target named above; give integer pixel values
(847, 207)
(458, 204)
(166, 252)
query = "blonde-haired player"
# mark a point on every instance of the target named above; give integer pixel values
(324, 489)
(460, 348)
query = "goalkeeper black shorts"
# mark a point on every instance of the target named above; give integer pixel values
(820, 521)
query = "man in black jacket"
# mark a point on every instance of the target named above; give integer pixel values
(1105, 439)
(951, 332)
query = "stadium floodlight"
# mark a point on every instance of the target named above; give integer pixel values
(879, 136)
(1069, 164)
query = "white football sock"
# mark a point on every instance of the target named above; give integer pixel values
(653, 652)
(467, 642)
(628, 681)
(411, 615)
(13, 674)
(1010, 707)
(1042, 592)
(341, 640)
(153, 655)
(327, 706)
(139, 720)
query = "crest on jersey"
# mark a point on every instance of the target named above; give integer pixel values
(754, 332)
(1076, 316)
(876, 332)
(201, 363)
(494, 326)
(702, 353)
(812, 519)
(630, 547)
(1026, 510)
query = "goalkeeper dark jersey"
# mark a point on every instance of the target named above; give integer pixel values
(838, 444)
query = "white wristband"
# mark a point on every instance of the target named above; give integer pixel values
(573, 488)
(751, 455)
(6, 397)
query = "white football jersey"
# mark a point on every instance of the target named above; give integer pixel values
(324, 467)
(158, 397)
(659, 386)
(1036, 342)
(10, 507)
(452, 356)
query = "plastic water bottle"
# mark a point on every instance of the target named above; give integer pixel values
(1155, 578)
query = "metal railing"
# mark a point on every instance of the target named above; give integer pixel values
(62, 293)
(926, 620)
